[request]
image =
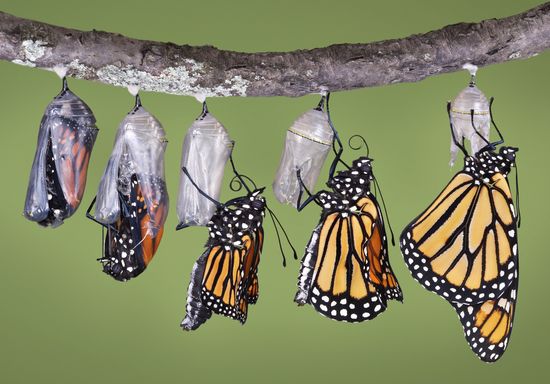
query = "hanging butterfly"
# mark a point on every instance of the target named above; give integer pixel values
(464, 245)
(345, 273)
(132, 200)
(224, 280)
(58, 175)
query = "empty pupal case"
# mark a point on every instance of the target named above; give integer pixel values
(468, 100)
(308, 142)
(206, 149)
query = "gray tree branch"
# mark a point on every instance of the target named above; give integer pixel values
(207, 71)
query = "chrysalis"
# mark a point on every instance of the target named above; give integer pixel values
(132, 200)
(307, 145)
(58, 175)
(206, 148)
(470, 108)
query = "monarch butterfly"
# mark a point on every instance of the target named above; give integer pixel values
(58, 175)
(464, 246)
(345, 273)
(132, 201)
(224, 280)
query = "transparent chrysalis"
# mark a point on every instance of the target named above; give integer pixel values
(308, 142)
(206, 149)
(132, 200)
(469, 109)
(58, 175)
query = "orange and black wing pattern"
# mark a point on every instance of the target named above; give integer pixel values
(488, 325)
(228, 275)
(58, 175)
(224, 280)
(464, 248)
(345, 273)
(130, 244)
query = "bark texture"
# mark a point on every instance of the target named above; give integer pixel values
(208, 71)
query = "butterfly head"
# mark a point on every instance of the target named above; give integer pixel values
(256, 200)
(509, 153)
(355, 180)
(362, 165)
(486, 163)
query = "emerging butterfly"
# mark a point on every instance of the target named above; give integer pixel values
(224, 280)
(345, 273)
(464, 247)
(132, 200)
(58, 175)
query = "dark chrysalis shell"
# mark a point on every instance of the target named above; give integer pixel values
(58, 175)
(132, 200)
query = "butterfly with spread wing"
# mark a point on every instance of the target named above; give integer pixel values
(224, 279)
(345, 273)
(464, 246)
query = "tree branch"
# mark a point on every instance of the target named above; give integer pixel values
(207, 71)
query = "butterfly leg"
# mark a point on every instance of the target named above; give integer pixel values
(303, 188)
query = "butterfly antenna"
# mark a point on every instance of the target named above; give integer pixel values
(362, 143)
(239, 177)
(493, 122)
(204, 194)
(311, 197)
(377, 186)
(487, 142)
(91, 217)
(277, 222)
(336, 140)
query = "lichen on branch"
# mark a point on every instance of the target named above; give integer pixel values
(207, 71)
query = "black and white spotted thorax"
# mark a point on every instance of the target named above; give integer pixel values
(236, 218)
(348, 186)
(485, 164)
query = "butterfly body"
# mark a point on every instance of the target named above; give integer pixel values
(130, 244)
(345, 273)
(224, 280)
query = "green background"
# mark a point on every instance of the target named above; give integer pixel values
(64, 321)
